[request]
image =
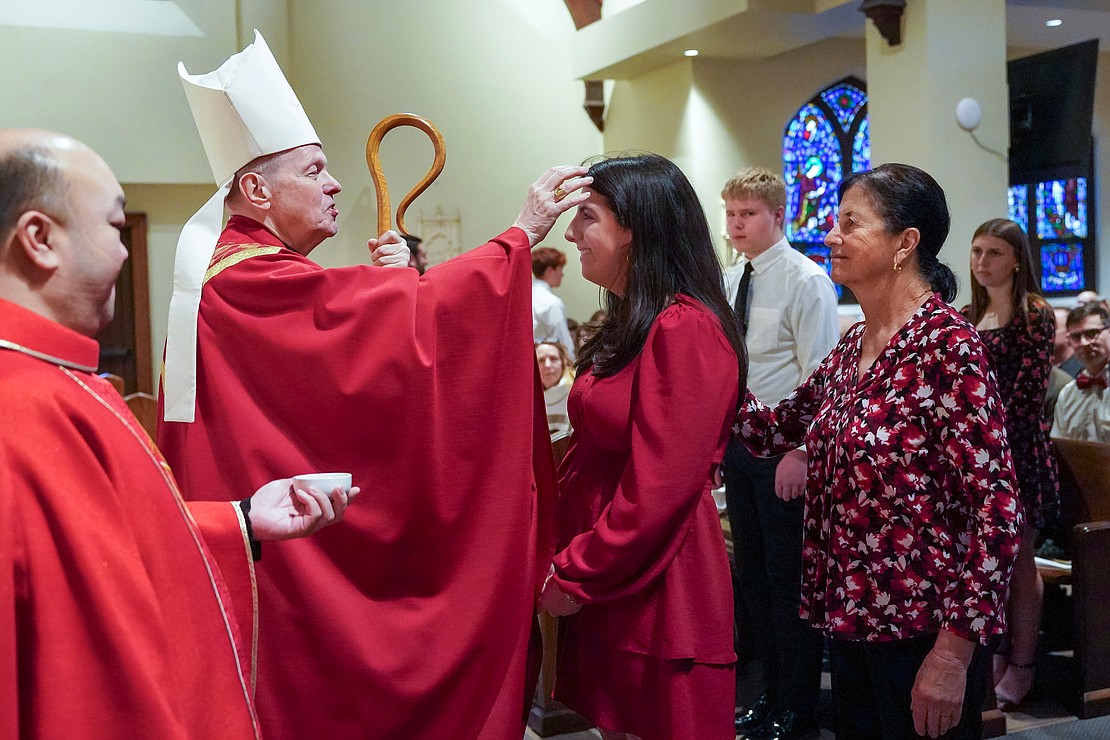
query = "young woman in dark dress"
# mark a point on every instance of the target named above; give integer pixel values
(1018, 328)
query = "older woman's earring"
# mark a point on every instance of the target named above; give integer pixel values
(1017, 268)
(897, 265)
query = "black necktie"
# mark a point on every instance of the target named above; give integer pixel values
(741, 305)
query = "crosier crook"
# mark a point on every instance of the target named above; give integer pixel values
(374, 162)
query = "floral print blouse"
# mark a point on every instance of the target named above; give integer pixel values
(912, 515)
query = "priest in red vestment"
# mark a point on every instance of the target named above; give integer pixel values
(428, 590)
(427, 594)
(124, 612)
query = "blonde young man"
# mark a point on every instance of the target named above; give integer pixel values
(786, 307)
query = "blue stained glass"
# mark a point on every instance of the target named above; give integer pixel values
(1062, 209)
(1062, 267)
(811, 162)
(845, 101)
(861, 148)
(1018, 199)
(821, 254)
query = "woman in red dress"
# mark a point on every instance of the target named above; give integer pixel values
(1018, 328)
(641, 574)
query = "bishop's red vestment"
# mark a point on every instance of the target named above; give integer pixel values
(115, 618)
(410, 619)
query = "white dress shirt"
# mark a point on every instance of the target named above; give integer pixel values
(792, 319)
(549, 317)
(1083, 414)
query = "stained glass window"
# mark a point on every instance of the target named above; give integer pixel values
(845, 100)
(828, 137)
(1018, 200)
(811, 166)
(1057, 214)
(1062, 209)
(1062, 267)
(861, 148)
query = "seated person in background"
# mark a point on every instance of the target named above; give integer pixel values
(549, 313)
(587, 329)
(418, 256)
(1063, 354)
(557, 375)
(1088, 296)
(574, 328)
(1083, 408)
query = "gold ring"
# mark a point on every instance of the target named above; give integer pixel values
(560, 194)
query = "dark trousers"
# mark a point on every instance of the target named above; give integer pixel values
(767, 536)
(871, 684)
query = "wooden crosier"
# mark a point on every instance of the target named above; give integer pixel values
(374, 162)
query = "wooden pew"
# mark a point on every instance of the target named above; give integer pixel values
(116, 381)
(145, 408)
(549, 717)
(1085, 480)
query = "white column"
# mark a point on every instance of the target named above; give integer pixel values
(951, 49)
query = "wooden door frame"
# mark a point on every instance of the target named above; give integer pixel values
(135, 226)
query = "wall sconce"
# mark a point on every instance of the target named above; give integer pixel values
(887, 17)
(968, 114)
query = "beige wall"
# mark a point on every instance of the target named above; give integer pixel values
(118, 92)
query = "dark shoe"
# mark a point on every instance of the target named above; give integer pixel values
(784, 725)
(753, 716)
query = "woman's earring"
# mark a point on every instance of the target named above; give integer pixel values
(897, 265)
(1017, 268)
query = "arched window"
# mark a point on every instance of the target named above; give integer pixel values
(827, 137)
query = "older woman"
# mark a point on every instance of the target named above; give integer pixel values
(641, 562)
(912, 513)
(557, 375)
(1018, 328)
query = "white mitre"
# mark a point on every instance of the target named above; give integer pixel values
(243, 110)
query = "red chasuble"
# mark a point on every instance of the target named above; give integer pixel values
(114, 616)
(410, 618)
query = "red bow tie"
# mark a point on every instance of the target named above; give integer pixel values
(1086, 381)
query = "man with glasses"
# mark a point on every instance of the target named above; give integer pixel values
(1083, 409)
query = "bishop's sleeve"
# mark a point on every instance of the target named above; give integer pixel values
(683, 399)
(9, 639)
(225, 535)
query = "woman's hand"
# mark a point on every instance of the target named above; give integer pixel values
(281, 512)
(937, 697)
(555, 193)
(790, 475)
(555, 601)
(389, 250)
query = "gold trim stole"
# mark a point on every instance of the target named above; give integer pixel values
(228, 255)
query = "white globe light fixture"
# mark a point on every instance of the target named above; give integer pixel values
(968, 114)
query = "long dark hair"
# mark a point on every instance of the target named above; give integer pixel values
(1025, 292)
(671, 253)
(907, 197)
